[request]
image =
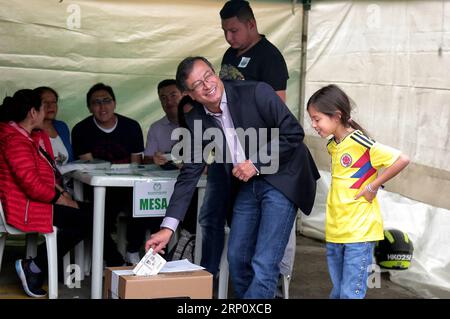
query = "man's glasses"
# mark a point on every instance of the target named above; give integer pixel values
(199, 84)
(99, 102)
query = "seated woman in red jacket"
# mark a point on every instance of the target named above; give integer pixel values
(31, 199)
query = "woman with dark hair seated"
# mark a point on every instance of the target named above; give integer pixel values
(31, 199)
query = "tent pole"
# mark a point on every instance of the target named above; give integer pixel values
(304, 47)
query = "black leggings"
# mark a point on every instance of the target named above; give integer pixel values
(73, 226)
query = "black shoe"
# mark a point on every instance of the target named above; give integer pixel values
(31, 282)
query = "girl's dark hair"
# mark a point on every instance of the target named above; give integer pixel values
(331, 99)
(185, 68)
(16, 108)
(42, 89)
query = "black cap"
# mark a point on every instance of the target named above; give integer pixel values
(232, 7)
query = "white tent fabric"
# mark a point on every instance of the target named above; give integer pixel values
(427, 226)
(392, 58)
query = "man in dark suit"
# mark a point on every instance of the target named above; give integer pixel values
(270, 173)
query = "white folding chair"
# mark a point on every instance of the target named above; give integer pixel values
(50, 240)
(82, 261)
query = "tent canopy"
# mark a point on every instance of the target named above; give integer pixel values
(391, 58)
(129, 45)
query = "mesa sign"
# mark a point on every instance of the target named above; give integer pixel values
(151, 198)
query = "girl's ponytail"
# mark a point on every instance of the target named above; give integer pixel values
(356, 126)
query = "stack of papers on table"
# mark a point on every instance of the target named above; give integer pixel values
(84, 165)
(132, 169)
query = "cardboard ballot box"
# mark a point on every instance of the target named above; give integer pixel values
(190, 284)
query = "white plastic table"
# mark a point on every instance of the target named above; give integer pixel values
(102, 178)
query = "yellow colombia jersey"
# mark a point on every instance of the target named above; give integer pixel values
(354, 164)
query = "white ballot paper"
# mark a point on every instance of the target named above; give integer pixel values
(150, 264)
(180, 265)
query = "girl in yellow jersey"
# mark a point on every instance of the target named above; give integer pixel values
(353, 219)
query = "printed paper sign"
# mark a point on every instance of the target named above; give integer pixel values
(151, 198)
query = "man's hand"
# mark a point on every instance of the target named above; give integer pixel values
(159, 240)
(159, 158)
(244, 171)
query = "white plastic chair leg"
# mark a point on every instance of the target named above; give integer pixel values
(223, 270)
(2, 247)
(87, 257)
(79, 258)
(32, 241)
(50, 241)
(66, 266)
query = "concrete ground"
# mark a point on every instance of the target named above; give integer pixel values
(310, 278)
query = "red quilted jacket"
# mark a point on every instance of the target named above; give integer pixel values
(27, 180)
